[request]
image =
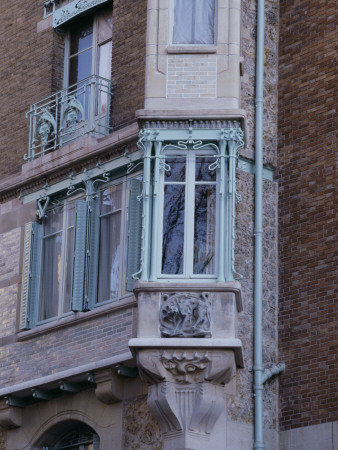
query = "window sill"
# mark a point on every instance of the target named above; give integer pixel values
(76, 317)
(191, 49)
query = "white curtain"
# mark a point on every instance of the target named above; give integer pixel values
(194, 22)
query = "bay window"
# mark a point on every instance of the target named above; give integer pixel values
(189, 214)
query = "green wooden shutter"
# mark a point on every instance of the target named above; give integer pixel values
(92, 255)
(30, 275)
(79, 256)
(134, 232)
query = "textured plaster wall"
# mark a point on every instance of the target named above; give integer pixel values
(239, 396)
(140, 430)
(270, 76)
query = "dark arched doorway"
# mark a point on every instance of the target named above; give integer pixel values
(69, 435)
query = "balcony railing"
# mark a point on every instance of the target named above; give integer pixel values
(78, 110)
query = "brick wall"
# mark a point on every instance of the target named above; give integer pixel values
(191, 76)
(86, 340)
(26, 59)
(128, 63)
(307, 212)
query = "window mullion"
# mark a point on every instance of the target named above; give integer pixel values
(189, 219)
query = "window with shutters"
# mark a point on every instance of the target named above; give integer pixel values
(84, 252)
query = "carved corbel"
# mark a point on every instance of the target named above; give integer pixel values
(10, 417)
(109, 387)
(186, 394)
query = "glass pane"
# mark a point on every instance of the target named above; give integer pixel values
(205, 229)
(177, 169)
(104, 64)
(204, 17)
(173, 229)
(183, 22)
(50, 276)
(81, 35)
(111, 199)
(54, 221)
(109, 258)
(194, 22)
(71, 213)
(202, 171)
(80, 67)
(68, 269)
(105, 25)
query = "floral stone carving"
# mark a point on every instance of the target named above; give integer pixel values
(185, 315)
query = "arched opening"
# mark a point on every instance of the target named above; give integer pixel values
(69, 435)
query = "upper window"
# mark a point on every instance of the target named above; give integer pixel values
(84, 252)
(189, 220)
(89, 48)
(194, 22)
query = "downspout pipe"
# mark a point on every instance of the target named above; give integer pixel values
(258, 230)
(260, 375)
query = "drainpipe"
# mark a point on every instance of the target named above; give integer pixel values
(260, 375)
(258, 231)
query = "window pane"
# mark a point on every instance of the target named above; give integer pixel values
(173, 229)
(205, 229)
(183, 22)
(177, 169)
(81, 36)
(105, 52)
(109, 258)
(194, 22)
(204, 18)
(111, 199)
(202, 171)
(50, 276)
(105, 25)
(80, 67)
(53, 222)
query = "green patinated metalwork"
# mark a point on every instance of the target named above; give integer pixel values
(79, 110)
(73, 9)
(226, 144)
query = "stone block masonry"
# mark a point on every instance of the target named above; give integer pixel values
(192, 76)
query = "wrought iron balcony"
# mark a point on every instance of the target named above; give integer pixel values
(78, 110)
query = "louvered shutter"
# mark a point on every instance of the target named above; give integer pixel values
(79, 256)
(92, 255)
(30, 275)
(134, 232)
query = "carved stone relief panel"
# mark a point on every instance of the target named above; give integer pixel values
(185, 315)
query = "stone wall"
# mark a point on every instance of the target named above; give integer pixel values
(307, 212)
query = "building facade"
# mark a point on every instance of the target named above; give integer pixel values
(128, 222)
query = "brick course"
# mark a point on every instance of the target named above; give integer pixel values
(308, 211)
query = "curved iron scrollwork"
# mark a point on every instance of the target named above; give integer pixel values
(185, 315)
